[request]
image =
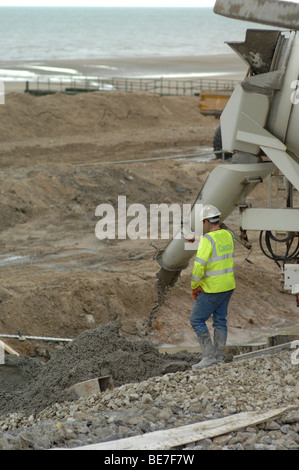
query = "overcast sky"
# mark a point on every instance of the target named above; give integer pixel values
(99, 3)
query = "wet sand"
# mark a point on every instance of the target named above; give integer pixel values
(222, 65)
(226, 66)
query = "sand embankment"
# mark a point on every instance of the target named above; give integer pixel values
(58, 279)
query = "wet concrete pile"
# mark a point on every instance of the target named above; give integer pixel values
(27, 385)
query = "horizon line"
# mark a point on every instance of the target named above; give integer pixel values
(102, 6)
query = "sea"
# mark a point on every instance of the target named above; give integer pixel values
(33, 37)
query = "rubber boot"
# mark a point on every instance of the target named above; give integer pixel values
(220, 345)
(208, 352)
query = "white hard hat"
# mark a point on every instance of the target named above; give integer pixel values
(211, 213)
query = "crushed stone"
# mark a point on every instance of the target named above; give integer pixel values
(172, 400)
(98, 352)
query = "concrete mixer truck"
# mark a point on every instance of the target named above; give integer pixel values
(260, 128)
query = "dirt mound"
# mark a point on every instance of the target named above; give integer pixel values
(26, 117)
(94, 353)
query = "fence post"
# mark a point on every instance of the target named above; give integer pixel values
(2, 353)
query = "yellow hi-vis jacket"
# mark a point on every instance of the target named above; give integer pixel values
(213, 269)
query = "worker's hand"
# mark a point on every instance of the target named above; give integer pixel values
(196, 291)
(189, 236)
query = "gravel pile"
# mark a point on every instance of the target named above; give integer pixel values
(29, 386)
(171, 400)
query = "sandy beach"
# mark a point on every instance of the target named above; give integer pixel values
(225, 67)
(222, 65)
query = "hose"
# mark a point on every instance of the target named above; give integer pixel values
(288, 240)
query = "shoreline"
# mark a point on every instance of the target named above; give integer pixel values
(227, 66)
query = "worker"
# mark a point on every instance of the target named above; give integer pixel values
(212, 283)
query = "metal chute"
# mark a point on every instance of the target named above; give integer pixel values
(268, 12)
(225, 187)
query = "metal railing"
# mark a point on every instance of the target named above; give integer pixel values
(167, 86)
(160, 86)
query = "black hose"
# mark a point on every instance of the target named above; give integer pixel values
(289, 239)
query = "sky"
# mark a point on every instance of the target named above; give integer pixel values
(110, 3)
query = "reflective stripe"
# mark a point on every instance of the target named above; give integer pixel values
(220, 258)
(214, 259)
(219, 273)
(194, 278)
(212, 241)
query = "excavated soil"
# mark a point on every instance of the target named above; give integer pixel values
(58, 280)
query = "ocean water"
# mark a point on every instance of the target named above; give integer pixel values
(37, 35)
(51, 33)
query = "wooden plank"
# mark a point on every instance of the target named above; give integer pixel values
(171, 438)
(263, 352)
(93, 386)
(9, 349)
